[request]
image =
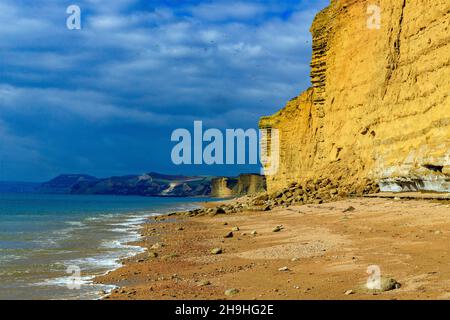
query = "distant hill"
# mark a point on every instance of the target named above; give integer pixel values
(150, 184)
(64, 183)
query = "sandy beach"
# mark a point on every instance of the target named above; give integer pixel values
(322, 251)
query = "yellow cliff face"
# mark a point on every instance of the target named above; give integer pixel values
(379, 106)
(222, 187)
(245, 184)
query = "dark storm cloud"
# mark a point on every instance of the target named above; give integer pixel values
(104, 100)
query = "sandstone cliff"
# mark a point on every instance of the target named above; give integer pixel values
(379, 106)
(245, 184)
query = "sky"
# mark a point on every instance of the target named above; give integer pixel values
(104, 100)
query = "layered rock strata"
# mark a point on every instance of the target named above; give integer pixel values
(379, 106)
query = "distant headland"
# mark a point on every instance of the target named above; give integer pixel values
(149, 184)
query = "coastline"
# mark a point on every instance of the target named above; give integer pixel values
(53, 246)
(321, 252)
(135, 246)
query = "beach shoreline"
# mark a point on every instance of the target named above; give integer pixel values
(52, 246)
(323, 251)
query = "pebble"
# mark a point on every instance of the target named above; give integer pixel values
(277, 229)
(349, 209)
(203, 283)
(348, 292)
(216, 251)
(283, 269)
(235, 229)
(231, 292)
(229, 235)
(157, 246)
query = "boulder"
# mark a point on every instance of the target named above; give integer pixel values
(217, 251)
(220, 211)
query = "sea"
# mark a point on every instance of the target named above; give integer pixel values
(52, 246)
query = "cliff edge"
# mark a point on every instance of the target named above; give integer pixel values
(379, 106)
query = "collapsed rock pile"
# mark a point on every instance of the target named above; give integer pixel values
(315, 191)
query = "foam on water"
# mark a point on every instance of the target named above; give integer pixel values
(51, 233)
(76, 223)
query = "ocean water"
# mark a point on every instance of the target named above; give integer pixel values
(52, 246)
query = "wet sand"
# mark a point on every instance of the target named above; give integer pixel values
(324, 250)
